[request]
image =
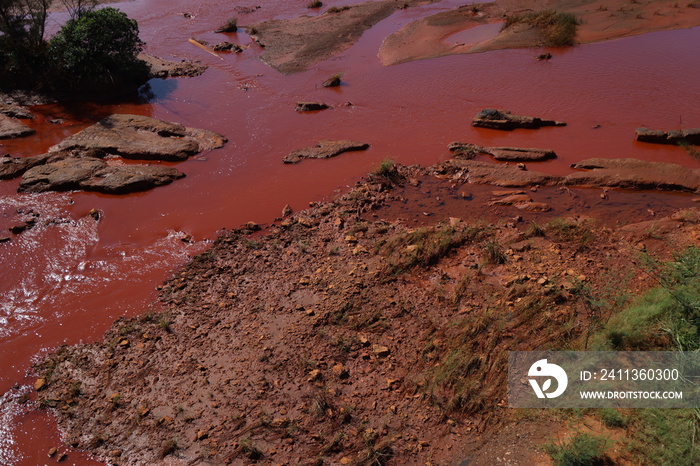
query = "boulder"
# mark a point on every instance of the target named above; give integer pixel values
(634, 174)
(504, 154)
(92, 174)
(140, 137)
(310, 106)
(12, 167)
(504, 120)
(11, 128)
(324, 149)
(15, 111)
(64, 175)
(124, 179)
(684, 136)
(227, 47)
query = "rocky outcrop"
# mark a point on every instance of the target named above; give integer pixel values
(11, 128)
(503, 119)
(162, 68)
(227, 47)
(634, 174)
(684, 136)
(611, 173)
(142, 138)
(12, 167)
(310, 106)
(92, 174)
(504, 154)
(15, 111)
(324, 149)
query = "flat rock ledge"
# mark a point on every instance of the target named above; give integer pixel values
(607, 173)
(503, 154)
(162, 68)
(142, 138)
(93, 174)
(504, 120)
(324, 149)
(684, 136)
(77, 162)
(11, 128)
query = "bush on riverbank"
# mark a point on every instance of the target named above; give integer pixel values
(94, 51)
(99, 50)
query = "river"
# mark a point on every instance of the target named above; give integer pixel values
(67, 282)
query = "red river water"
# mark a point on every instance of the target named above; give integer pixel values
(66, 283)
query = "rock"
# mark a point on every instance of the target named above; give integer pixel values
(12, 167)
(333, 81)
(380, 351)
(544, 56)
(340, 371)
(534, 207)
(140, 137)
(315, 375)
(506, 154)
(503, 119)
(161, 68)
(511, 200)
(310, 106)
(634, 174)
(685, 136)
(52, 452)
(40, 384)
(287, 210)
(64, 175)
(227, 47)
(11, 128)
(95, 214)
(5, 239)
(123, 179)
(324, 149)
(93, 174)
(15, 111)
(502, 174)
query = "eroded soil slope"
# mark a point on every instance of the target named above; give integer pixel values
(370, 329)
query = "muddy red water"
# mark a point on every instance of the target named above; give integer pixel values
(66, 282)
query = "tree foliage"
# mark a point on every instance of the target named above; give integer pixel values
(22, 45)
(99, 49)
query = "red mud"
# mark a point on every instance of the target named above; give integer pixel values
(408, 113)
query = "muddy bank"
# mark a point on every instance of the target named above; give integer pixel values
(293, 45)
(373, 327)
(599, 20)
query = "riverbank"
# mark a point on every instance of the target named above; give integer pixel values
(359, 330)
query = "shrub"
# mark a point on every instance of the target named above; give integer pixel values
(557, 29)
(99, 51)
(581, 450)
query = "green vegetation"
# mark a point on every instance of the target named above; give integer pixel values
(94, 50)
(581, 450)
(99, 50)
(556, 29)
(424, 246)
(665, 436)
(612, 418)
